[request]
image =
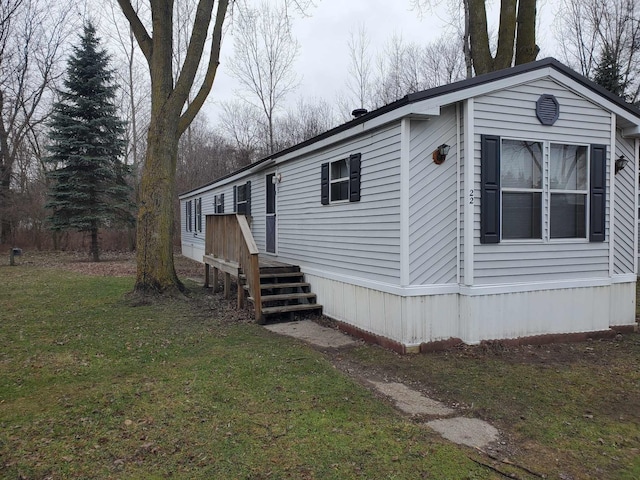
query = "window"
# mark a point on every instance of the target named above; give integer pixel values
(524, 182)
(242, 198)
(198, 214)
(218, 203)
(340, 180)
(188, 216)
(521, 178)
(568, 178)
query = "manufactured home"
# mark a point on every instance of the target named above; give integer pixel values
(499, 207)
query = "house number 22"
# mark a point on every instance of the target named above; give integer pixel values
(471, 197)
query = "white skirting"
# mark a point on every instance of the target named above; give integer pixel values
(413, 320)
(193, 251)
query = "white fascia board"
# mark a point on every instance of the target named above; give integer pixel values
(632, 132)
(598, 99)
(487, 88)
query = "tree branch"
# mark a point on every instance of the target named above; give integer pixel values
(214, 60)
(479, 44)
(194, 52)
(507, 34)
(143, 37)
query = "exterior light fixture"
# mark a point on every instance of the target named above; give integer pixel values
(621, 162)
(440, 154)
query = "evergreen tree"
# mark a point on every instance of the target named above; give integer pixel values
(608, 73)
(89, 190)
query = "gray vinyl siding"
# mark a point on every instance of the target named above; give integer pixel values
(510, 113)
(359, 239)
(625, 224)
(433, 202)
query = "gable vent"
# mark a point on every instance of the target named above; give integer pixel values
(547, 109)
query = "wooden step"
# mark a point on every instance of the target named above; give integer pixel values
(276, 275)
(287, 269)
(291, 308)
(272, 286)
(285, 296)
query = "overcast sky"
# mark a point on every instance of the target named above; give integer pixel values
(323, 61)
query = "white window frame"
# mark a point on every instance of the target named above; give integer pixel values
(188, 216)
(523, 190)
(333, 181)
(198, 215)
(584, 192)
(546, 192)
(239, 202)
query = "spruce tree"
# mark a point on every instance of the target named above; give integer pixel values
(608, 73)
(89, 189)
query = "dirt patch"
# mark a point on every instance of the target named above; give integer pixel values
(111, 264)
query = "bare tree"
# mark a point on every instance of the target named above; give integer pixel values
(389, 85)
(408, 68)
(359, 80)
(307, 119)
(264, 55)
(203, 157)
(240, 121)
(592, 28)
(439, 63)
(32, 35)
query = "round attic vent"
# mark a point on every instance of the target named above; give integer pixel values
(547, 109)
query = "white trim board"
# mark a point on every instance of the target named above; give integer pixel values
(452, 288)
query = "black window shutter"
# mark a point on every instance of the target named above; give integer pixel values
(490, 190)
(199, 214)
(324, 184)
(221, 210)
(248, 193)
(354, 177)
(235, 198)
(598, 190)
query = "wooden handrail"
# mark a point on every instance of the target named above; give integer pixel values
(228, 238)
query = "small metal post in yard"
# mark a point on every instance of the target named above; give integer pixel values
(15, 252)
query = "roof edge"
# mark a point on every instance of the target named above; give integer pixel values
(435, 92)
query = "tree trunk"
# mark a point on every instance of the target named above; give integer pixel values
(526, 48)
(94, 250)
(479, 37)
(154, 253)
(5, 193)
(524, 11)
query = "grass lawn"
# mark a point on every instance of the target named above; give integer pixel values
(570, 411)
(91, 387)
